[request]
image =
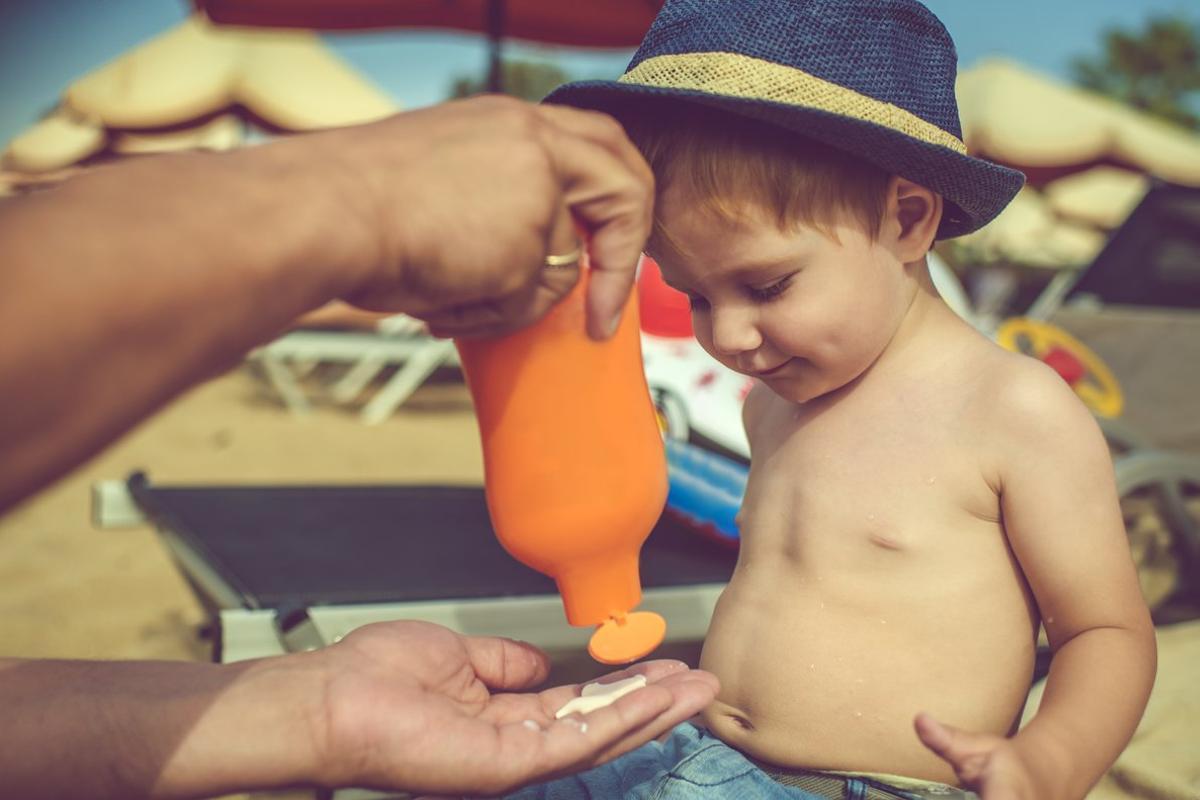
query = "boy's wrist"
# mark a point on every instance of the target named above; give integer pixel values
(1050, 761)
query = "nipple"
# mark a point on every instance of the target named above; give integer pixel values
(626, 637)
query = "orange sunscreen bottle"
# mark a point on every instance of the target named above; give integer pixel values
(574, 465)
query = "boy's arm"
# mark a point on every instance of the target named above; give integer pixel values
(1063, 521)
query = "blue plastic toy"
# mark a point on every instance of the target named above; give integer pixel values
(706, 489)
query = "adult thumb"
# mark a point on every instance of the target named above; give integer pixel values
(506, 663)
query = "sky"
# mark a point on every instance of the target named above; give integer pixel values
(46, 44)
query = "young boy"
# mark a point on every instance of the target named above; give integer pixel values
(920, 500)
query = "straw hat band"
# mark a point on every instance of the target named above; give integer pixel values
(734, 75)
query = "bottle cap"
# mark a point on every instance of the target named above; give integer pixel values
(627, 637)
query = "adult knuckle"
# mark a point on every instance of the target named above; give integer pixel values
(637, 199)
(515, 115)
(509, 283)
(606, 126)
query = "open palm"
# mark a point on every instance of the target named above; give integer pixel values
(415, 706)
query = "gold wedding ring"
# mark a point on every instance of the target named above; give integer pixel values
(565, 260)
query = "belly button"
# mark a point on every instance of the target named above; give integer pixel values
(886, 542)
(742, 722)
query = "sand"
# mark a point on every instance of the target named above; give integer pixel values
(70, 590)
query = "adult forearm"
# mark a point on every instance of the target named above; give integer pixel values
(1095, 694)
(124, 286)
(156, 729)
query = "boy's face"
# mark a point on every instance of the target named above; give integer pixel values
(803, 312)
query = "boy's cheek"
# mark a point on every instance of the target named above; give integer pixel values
(703, 334)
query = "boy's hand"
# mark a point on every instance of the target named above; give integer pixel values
(989, 765)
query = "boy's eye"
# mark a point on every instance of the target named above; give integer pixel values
(770, 292)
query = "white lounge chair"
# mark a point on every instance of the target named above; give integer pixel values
(398, 341)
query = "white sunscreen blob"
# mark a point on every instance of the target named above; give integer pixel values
(599, 695)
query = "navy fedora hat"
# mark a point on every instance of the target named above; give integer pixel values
(874, 78)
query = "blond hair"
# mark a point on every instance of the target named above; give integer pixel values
(733, 166)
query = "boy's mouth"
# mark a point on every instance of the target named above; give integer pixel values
(768, 372)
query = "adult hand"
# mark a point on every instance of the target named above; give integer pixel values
(415, 706)
(992, 766)
(178, 264)
(461, 203)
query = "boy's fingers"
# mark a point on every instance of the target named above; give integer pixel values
(939, 738)
(965, 751)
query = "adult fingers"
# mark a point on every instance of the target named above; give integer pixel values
(574, 743)
(449, 322)
(691, 693)
(524, 305)
(563, 239)
(502, 316)
(544, 705)
(506, 663)
(611, 276)
(614, 204)
(628, 723)
(653, 671)
(602, 129)
(521, 746)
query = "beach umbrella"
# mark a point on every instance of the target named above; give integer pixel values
(1020, 117)
(1029, 232)
(1101, 196)
(58, 140)
(290, 79)
(595, 23)
(184, 88)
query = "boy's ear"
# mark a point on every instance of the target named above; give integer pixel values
(914, 213)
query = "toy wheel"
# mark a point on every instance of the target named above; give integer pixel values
(1079, 365)
(672, 418)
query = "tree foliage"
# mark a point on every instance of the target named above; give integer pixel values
(1156, 69)
(528, 80)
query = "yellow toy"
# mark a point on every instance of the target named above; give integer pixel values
(1079, 366)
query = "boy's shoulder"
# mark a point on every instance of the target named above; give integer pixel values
(1025, 407)
(1025, 391)
(998, 382)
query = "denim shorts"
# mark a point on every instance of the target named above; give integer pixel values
(692, 764)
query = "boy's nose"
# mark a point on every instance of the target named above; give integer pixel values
(734, 331)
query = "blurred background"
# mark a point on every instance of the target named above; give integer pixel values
(1095, 268)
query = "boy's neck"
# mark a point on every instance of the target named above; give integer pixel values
(926, 319)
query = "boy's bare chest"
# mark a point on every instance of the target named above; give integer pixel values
(876, 478)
